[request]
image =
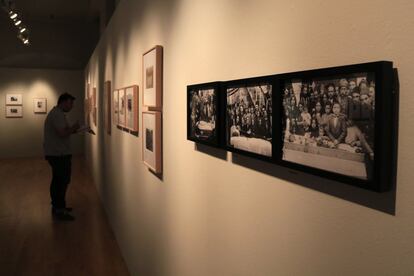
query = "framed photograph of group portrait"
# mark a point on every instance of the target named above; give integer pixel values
(338, 123)
(203, 122)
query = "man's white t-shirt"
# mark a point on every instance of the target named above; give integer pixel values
(53, 144)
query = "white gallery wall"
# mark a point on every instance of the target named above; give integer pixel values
(214, 213)
(23, 137)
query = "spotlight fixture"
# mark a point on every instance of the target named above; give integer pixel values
(22, 31)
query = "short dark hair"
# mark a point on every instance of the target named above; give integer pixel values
(65, 97)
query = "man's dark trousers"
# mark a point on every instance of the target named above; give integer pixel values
(61, 171)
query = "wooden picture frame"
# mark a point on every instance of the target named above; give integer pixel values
(14, 111)
(131, 108)
(14, 99)
(247, 111)
(152, 78)
(204, 113)
(40, 105)
(107, 107)
(356, 144)
(151, 140)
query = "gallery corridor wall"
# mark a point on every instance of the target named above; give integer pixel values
(23, 137)
(214, 213)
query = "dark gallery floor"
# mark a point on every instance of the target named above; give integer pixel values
(31, 243)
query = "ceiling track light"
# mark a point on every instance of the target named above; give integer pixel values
(22, 32)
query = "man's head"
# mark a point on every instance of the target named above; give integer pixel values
(352, 84)
(331, 89)
(65, 102)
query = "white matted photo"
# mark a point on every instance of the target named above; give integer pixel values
(131, 112)
(115, 107)
(121, 107)
(107, 106)
(14, 111)
(14, 99)
(40, 105)
(152, 77)
(151, 140)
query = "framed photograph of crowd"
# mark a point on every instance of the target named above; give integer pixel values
(107, 106)
(339, 123)
(248, 109)
(151, 140)
(131, 108)
(203, 113)
(40, 105)
(152, 77)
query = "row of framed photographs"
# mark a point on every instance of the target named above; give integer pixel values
(14, 106)
(339, 122)
(124, 110)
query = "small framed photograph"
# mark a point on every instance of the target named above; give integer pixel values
(339, 123)
(131, 110)
(203, 113)
(115, 107)
(152, 77)
(86, 110)
(107, 107)
(40, 105)
(94, 107)
(14, 111)
(249, 128)
(151, 141)
(14, 99)
(121, 108)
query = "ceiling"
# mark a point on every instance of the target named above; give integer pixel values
(63, 33)
(69, 9)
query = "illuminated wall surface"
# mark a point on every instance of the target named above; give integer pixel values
(23, 137)
(217, 214)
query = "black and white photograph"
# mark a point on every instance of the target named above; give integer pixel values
(14, 111)
(202, 113)
(149, 144)
(249, 118)
(329, 123)
(121, 107)
(149, 75)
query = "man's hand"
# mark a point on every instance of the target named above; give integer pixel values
(75, 127)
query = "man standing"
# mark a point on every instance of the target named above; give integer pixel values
(57, 151)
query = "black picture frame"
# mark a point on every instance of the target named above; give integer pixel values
(267, 82)
(201, 136)
(385, 123)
